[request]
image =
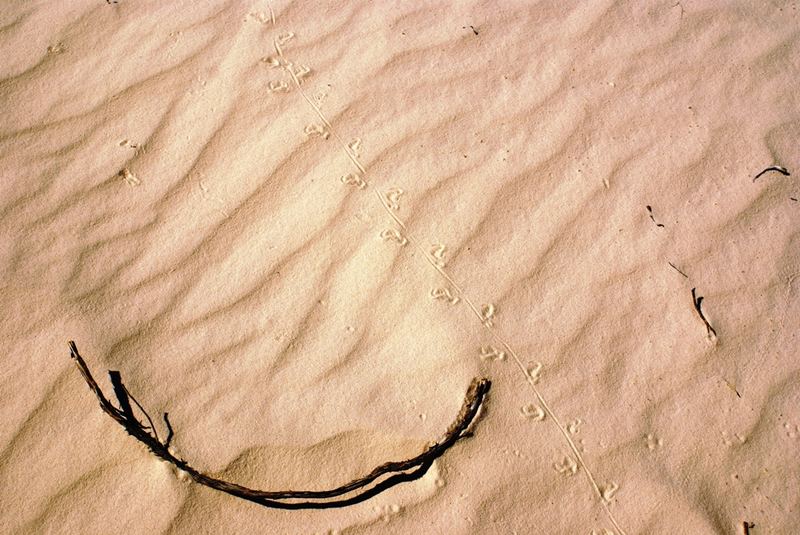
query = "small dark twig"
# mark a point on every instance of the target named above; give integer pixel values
(653, 219)
(778, 168)
(678, 270)
(697, 305)
(747, 525)
(381, 478)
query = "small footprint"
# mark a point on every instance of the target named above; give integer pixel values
(355, 147)
(391, 234)
(317, 130)
(284, 38)
(534, 372)
(607, 491)
(574, 426)
(353, 179)
(282, 87)
(260, 17)
(728, 441)
(130, 178)
(444, 293)
(566, 467)
(653, 442)
(272, 61)
(299, 71)
(491, 353)
(437, 252)
(534, 412)
(393, 197)
(58, 48)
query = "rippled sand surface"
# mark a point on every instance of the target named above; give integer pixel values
(302, 228)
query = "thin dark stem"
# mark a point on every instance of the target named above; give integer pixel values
(698, 303)
(383, 477)
(678, 270)
(777, 168)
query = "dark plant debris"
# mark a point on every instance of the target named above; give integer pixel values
(678, 270)
(381, 478)
(698, 306)
(778, 168)
(650, 210)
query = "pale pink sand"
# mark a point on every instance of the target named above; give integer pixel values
(172, 200)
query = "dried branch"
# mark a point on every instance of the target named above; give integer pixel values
(381, 478)
(698, 303)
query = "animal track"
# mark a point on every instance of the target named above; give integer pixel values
(355, 147)
(353, 179)
(566, 467)
(653, 442)
(608, 491)
(280, 86)
(284, 38)
(534, 372)
(486, 313)
(490, 353)
(58, 48)
(534, 412)
(574, 426)
(437, 252)
(317, 130)
(262, 18)
(299, 71)
(393, 198)
(272, 61)
(391, 234)
(444, 293)
(130, 178)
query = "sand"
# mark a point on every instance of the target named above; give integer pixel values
(302, 228)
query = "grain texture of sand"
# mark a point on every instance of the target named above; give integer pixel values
(302, 228)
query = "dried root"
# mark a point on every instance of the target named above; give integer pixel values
(381, 478)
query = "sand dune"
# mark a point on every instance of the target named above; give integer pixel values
(302, 229)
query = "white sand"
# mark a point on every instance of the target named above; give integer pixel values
(172, 200)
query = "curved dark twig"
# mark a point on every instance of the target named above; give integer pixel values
(397, 471)
(777, 168)
(698, 304)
